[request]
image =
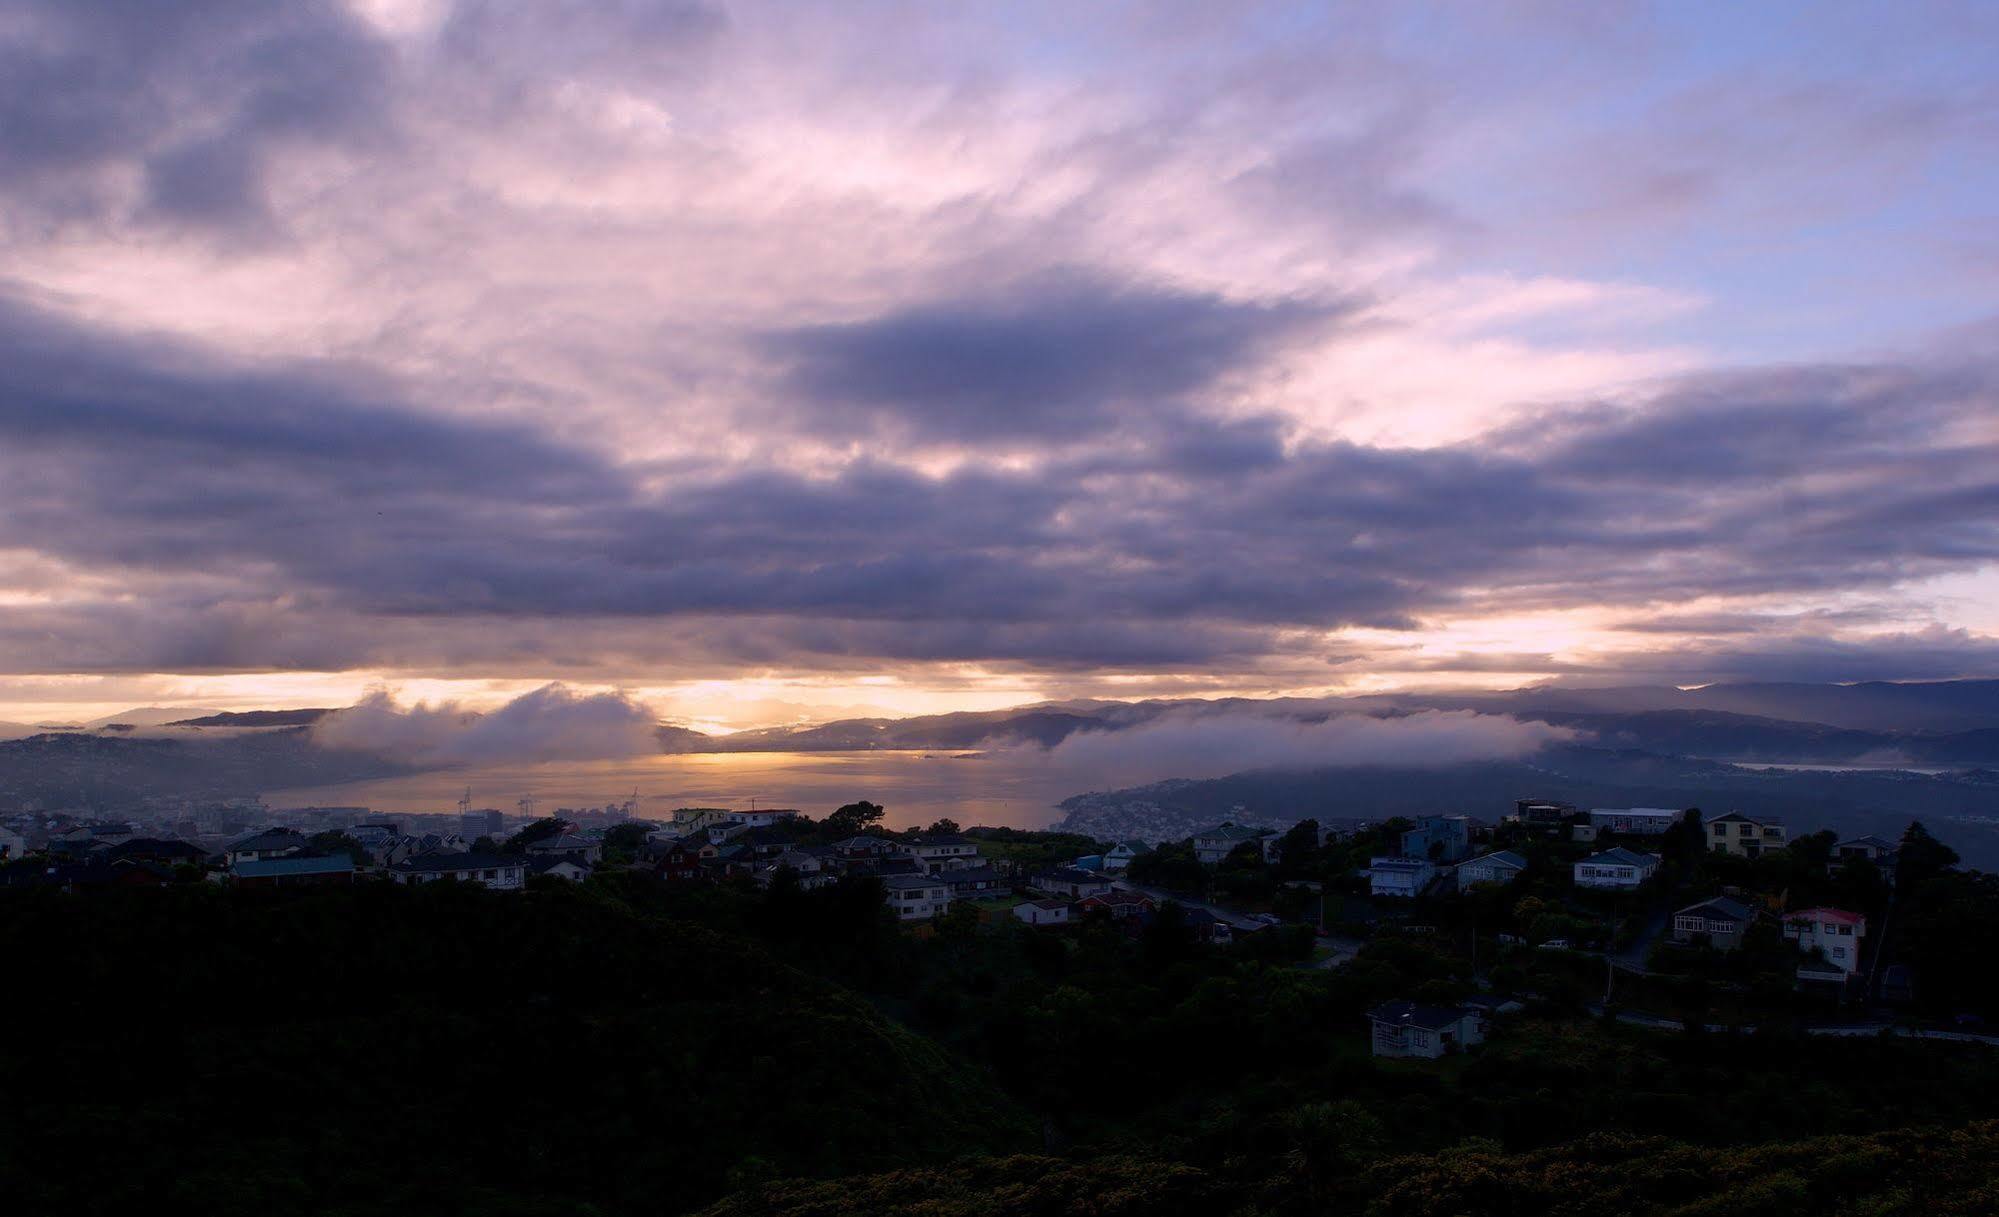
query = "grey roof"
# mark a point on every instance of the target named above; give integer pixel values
(1876, 842)
(1745, 817)
(1720, 908)
(428, 863)
(1620, 856)
(1069, 874)
(1234, 832)
(1410, 1014)
(1504, 857)
(270, 838)
(273, 868)
(1398, 863)
(905, 883)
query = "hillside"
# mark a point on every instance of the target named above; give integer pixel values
(436, 1050)
(64, 769)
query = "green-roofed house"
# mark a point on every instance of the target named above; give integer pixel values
(292, 871)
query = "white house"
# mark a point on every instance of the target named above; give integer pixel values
(1070, 882)
(1043, 912)
(12, 844)
(1616, 868)
(943, 851)
(1402, 877)
(500, 872)
(559, 868)
(1834, 933)
(1498, 869)
(764, 817)
(1119, 856)
(1213, 844)
(916, 897)
(1634, 821)
(568, 845)
(1403, 1028)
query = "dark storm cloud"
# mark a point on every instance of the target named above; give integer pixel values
(1056, 358)
(195, 96)
(308, 516)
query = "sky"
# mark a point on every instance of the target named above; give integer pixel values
(793, 360)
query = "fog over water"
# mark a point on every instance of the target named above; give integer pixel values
(1006, 787)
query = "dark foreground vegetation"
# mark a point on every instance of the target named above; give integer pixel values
(631, 1047)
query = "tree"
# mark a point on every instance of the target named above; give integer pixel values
(1923, 857)
(1298, 850)
(848, 821)
(622, 842)
(337, 842)
(944, 828)
(540, 830)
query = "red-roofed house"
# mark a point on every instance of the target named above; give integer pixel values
(1833, 933)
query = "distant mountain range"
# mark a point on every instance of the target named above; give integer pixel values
(1937, 723)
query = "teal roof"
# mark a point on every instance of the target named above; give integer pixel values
(272, 868)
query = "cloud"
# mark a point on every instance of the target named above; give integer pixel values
(1056, 358)
(1192, 743)
(553, 723)
(195, 99)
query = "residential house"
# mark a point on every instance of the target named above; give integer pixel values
(942, 851)
(271, 843)
(1119, 856)
(1496, 869)
(1718, 923)
(12, 844)
(1070, 882)
(1438, 838)
(811, 871)
(1634, 821)
(1617, 868)
(916, 897)
(1209, 928)
(293, 870)
(972, 882)
(1404, 878)
(765, 817)
(1043, 912)
(500, 872)
(1119, 904)
(559, 867)
(867, 846)
(1544, 816)
(1214, 844)
(1831, 936)
(1881, 852)
(682, 860)
(163, 850)
(1745, 836)
(1404, 1028)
